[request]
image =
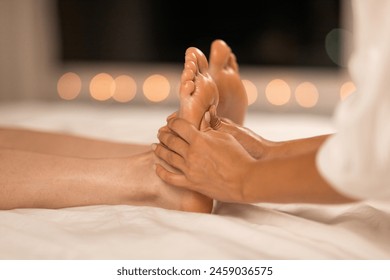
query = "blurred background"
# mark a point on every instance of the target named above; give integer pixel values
(292, 54)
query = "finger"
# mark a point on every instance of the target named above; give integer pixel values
(230, 129)
(205, 122)
(177, 180)
(183, 128)
(173, 142)
(171, 116)
(215, 121)
(222, 124)
(170, 157)
(165, 128)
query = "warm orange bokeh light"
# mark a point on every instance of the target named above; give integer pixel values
(69, 86)
(156, 88)
(102, 87)
(347, 89)
(306, 94)
(125, 89)
(278, 92)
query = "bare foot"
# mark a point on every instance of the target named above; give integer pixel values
(198, 92)
(224, 69)
(145, 188)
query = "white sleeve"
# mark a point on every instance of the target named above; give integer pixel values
(356, 159)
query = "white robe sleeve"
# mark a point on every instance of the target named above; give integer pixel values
(356, 159)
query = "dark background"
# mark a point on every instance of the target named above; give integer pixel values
(269, 33)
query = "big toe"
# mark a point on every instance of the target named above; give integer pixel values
(220, 54)
(200, 59)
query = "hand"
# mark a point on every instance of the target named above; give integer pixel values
(255, 145)
(212, 162)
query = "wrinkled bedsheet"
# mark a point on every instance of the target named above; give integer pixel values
(233, 231)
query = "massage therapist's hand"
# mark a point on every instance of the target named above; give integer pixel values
(210, 162)
(255, 145)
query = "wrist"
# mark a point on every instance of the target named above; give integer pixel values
(273, 150)
(262, 183)
(250, 182)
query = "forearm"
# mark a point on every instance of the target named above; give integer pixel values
(294, 178)
(261, 148)
(294, 147)
(45, 181)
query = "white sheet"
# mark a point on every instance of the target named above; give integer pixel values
(262, 231)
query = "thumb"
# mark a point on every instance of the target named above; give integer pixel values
(205, 122)
(215, 121)
(173, 115)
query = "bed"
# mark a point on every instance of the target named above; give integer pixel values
(233, 231)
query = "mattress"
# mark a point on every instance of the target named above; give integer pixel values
(358, 230)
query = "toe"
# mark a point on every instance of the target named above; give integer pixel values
(187, 75)
(187, 88)
(233, 62)
(200, 59)
(220, 54)
(191, 65)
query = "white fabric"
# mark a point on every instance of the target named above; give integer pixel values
(356, 160)
(262, 231)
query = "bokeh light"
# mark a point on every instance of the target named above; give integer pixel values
(69, 86)
(306, 94)
(334, 41)
(278, 92)
(125, 89)
(347, 89)
(102, 87)
(156, 88)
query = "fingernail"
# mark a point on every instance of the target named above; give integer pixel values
(154, 146)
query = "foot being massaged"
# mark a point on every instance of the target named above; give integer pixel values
(204, 154)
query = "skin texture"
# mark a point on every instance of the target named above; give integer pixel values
(48, 170)
(197, 91)
(56, 171)
(286, 174)
(240, 166)
(224, 69)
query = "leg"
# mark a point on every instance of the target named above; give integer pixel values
(33, 180)
(224, 70)
(65, 144)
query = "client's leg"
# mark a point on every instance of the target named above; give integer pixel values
(65, 144)
(33, 179)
